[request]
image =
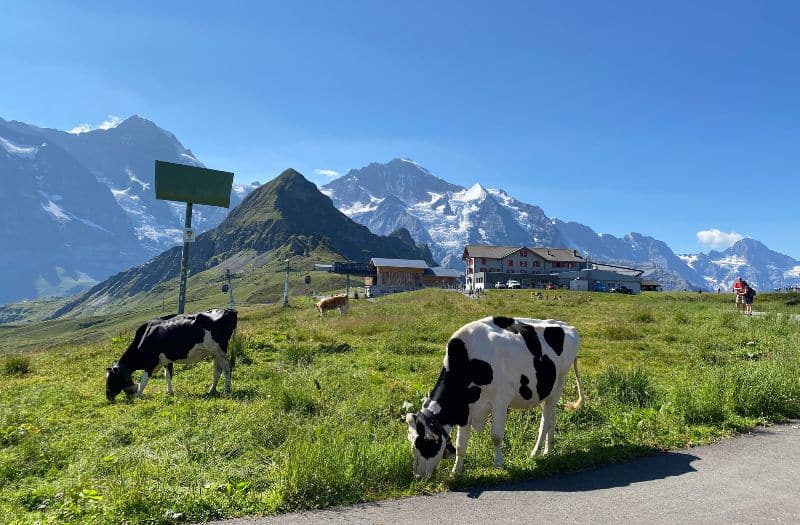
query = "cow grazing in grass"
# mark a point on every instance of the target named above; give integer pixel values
(491, 365)
(183, 338)
(330, 303)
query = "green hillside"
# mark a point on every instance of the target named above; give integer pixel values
(316, 414)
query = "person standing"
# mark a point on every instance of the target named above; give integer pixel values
(738, 294)
(749, 295)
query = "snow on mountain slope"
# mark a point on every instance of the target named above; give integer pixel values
(445, 216)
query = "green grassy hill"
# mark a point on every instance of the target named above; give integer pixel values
(316, 414)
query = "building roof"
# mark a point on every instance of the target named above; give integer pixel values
(558, 254)
(498, 252)
(619, 269)
(488, 251)
(441, 271)
(398, 263)
(600, 275)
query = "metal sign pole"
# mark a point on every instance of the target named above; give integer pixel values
(230, 289)
(185, 261)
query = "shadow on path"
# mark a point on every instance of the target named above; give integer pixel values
(658, 466)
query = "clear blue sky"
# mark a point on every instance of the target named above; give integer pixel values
(664, 118)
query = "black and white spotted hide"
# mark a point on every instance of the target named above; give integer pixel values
(491, 365)
(185, 338)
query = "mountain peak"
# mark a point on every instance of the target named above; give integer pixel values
(475, 193)
(136, 121)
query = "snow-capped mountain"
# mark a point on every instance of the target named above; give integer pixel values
(122, 158)
(79, 207)
(61, 228)
(447, 217)
(750, 259)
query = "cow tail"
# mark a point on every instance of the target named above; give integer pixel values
(579, 403)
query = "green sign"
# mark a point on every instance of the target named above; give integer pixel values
(177, 182)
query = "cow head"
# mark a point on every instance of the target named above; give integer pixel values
(430, 442)
(118, 378)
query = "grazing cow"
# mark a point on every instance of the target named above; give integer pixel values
(491, 365)
(330, 303)
(183, 338)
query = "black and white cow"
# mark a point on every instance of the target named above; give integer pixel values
(491, 365)
(183, 338)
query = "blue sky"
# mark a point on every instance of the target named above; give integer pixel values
(663, 118)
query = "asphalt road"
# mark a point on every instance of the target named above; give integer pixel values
(754, 478)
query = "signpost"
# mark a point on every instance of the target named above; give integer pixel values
(192, 185)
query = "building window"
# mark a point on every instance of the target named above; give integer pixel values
(523, 271)
(511, 262)
(536, 264)
(483, 270)
(469, 270)
(483, 260)
(523, 253)
(524, 264)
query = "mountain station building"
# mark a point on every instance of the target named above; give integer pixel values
(541, 268)
(403, 275)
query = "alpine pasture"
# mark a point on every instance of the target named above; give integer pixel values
(316, 413)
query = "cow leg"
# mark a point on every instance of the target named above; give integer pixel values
(226, 368)
(547, 425)
(168, 377)
(217, 373)
(462, 438)
(142, 383)
(499, 417)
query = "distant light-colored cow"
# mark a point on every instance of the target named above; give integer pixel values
(330, 303)
(491, 365)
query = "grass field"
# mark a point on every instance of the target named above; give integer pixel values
(316, 415)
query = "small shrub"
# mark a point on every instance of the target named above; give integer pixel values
(17, 365)
(632, 387)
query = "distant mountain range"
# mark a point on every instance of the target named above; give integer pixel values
(78, 207)
(447, 217)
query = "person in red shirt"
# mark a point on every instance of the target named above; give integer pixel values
(738, 290)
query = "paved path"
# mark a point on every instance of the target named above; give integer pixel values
(754, 478)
